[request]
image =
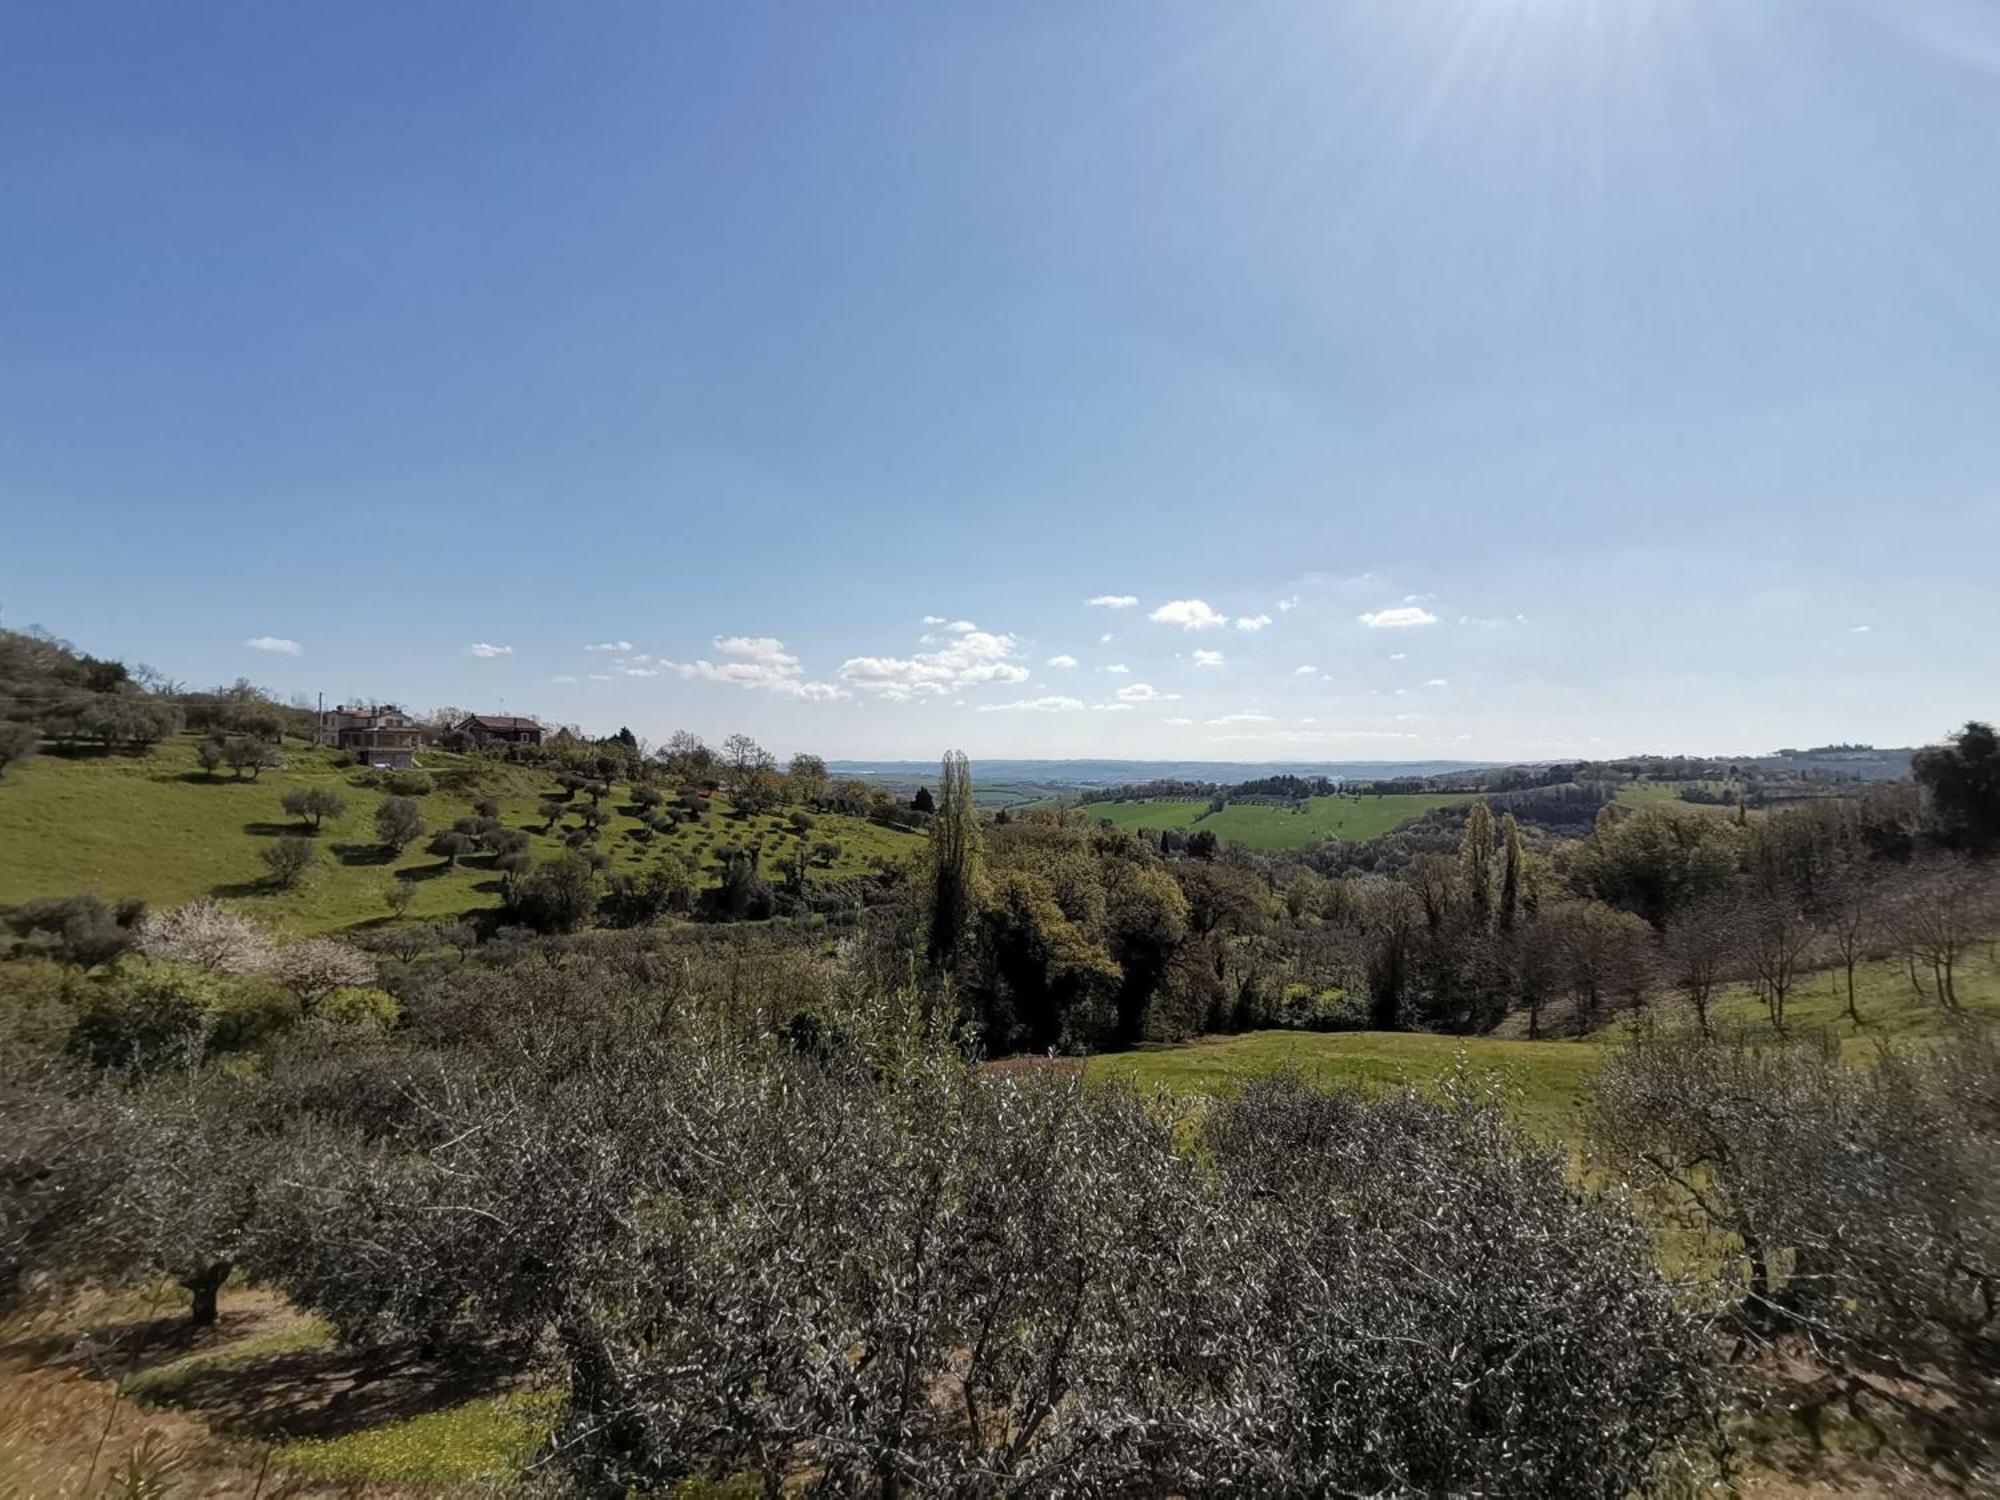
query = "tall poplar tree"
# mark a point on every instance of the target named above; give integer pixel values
(1475, 860)
(954, 860)
(1510, 872)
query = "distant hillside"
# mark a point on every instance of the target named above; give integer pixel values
(1007, 783)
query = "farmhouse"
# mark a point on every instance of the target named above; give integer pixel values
(382, 736)
(498, 729)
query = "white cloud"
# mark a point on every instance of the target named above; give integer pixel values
(1855, 629)
(1177, 721)
(1208, 658)
(934, 619)
(974, 657)
(275, 643)
(486, 651)
(1437, 682)
(1418, 598)
(564, 677)
(1189, 614)
(1050, 705)
(1397, 655)
(1119, 667)
(1065, 661)
(1144, 692)
(1106, 639)
(754, 661)
(1400, 618)
(600, 676)
(1285, 605)
(1243, 718)
(1111, 708)
(1252, 622)
(1113, 601)
(610, 646)
(1304, 671)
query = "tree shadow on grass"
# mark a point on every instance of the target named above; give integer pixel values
(119, 1350)
(321, 1393)
(314, 1392)
(239, 889)
(363, 854)
(278, 830)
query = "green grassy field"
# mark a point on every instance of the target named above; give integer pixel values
(156, 827)
(1258, 826)
(1636, 794)
(1547, 1082)
(1544, 1081)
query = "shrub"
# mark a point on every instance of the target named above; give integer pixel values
(354, 1005)
(410, 783)
(150, 1013)
(79, 930)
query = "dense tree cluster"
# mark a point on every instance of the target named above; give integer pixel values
(841, 1251)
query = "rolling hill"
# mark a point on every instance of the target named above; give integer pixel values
(158, 828)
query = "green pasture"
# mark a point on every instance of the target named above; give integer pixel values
(1269, 826)
(157, 827)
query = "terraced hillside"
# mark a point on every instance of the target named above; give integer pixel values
(161, 829)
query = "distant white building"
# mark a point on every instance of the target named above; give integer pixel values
(382, 736)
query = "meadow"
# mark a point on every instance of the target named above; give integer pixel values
(159, 828)
(1270, 826)
(1545, 1084)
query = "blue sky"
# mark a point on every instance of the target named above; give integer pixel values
(1497, 378)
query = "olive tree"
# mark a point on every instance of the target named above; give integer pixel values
(853, 1257)
(288, 859)
(1852, 1209)
(398, 823)
(313, 804)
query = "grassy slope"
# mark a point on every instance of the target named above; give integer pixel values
(1266, 827)
(1547, 1081)
(157, 828)
(1637, 794)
